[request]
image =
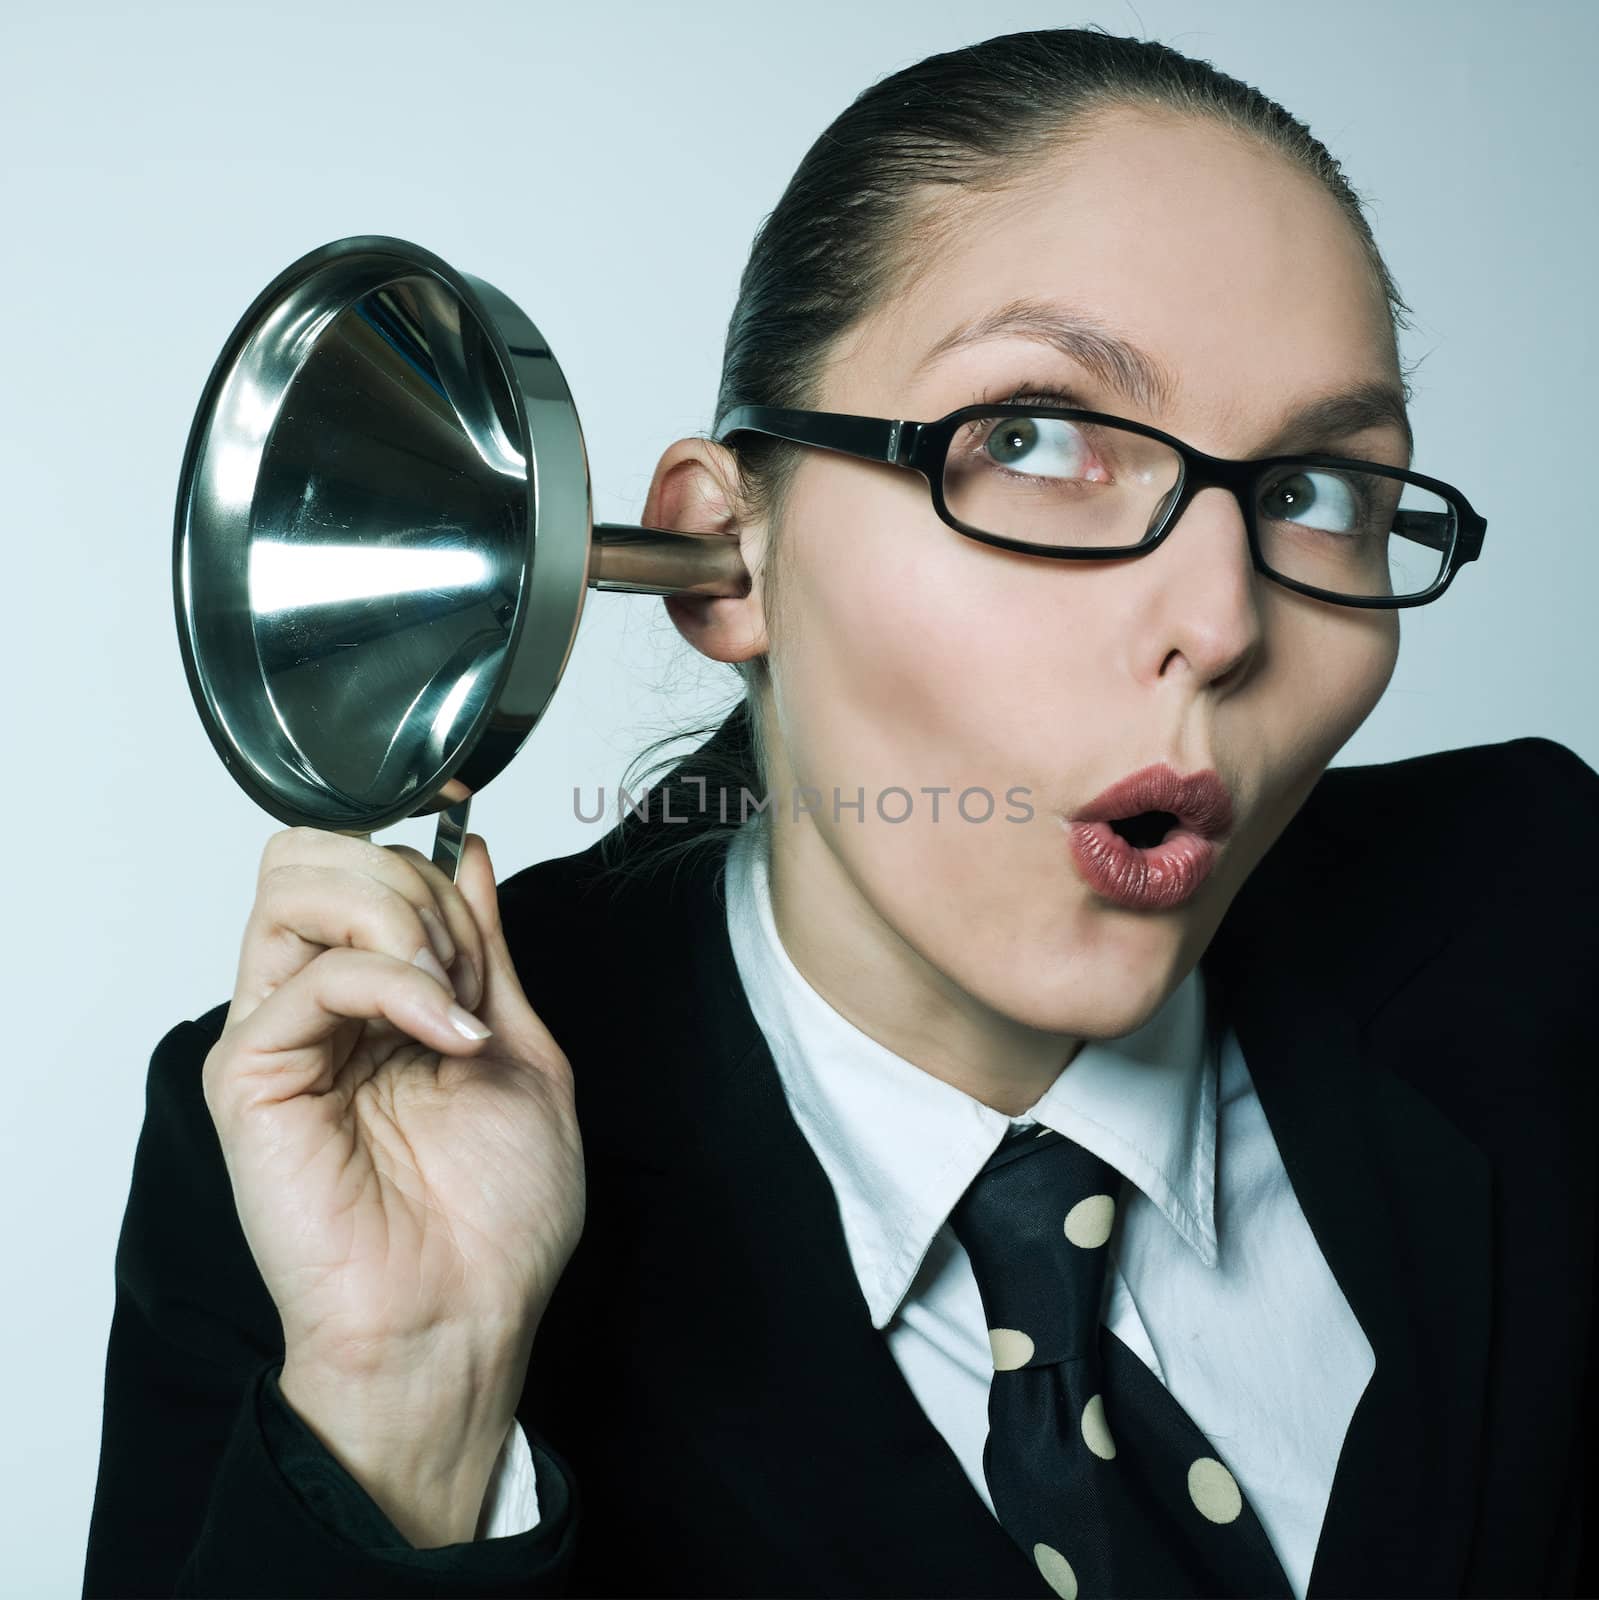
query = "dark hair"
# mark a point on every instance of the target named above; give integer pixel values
(861, 210)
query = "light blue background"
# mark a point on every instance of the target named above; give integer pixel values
(606, 166)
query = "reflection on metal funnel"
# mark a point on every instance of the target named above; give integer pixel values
(384, 538)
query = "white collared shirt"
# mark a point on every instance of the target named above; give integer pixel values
(1215, 1280)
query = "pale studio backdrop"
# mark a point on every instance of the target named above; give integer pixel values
(606, 166)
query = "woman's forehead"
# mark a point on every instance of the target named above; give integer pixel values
(1223, 263)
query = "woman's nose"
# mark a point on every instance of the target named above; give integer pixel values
(1206, 587)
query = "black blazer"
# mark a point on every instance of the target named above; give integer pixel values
(1410, 971)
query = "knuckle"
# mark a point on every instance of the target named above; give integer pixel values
(416, 882)
(281, 901)
(344, 965)
(332, 908)
(287, 844)
(403, 931)
(276, 875)
(335, 959)
(420, 872)
(272, 852)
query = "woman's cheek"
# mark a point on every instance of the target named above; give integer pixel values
(1370, 654)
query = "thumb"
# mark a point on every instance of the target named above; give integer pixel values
(504, 1004)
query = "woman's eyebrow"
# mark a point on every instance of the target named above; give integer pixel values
(1116, 362)
(1368, 405)
(1135, 375)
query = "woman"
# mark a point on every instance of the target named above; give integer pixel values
(1048, 909)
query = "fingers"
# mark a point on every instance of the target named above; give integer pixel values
(462, 931)
(279, 1049)
(504, 1006)
(319, 890)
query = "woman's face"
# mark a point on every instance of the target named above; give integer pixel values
(909, 657)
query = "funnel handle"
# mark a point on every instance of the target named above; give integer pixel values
(450, 840)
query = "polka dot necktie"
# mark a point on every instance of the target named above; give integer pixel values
(1096, 1471)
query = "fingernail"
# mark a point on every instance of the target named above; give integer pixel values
(430, 964)
(466, 1024)
(438, 934)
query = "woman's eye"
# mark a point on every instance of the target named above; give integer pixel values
(1322, 500)
(1046, 447)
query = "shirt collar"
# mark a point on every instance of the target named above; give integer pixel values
(901, 1146)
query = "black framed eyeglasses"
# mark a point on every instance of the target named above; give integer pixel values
(1084, 486)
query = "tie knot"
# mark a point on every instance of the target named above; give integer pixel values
(1035, 1222)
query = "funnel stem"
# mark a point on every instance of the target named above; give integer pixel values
(663, 561)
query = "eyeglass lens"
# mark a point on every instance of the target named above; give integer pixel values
(1059, 483)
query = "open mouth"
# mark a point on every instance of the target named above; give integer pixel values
(1145, 828)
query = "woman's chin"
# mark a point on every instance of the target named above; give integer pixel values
(1092, 999)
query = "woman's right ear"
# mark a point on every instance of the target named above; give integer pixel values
(695, 489)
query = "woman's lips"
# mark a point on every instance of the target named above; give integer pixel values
(1154, 878)
(1200, 802)
(1158, 876)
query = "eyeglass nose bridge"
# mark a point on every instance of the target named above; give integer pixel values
(1200, 471)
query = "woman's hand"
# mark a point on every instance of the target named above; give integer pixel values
(410, 1195)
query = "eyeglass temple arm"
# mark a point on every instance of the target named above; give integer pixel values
(869, 438)
(1433, 529)
(1430, 528)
